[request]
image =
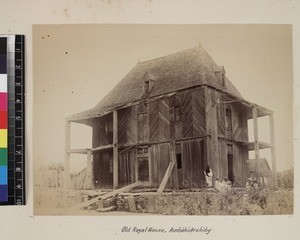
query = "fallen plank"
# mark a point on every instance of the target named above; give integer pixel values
(169, 169)
(106, 209)
(107, 195)
(91, 193)
(166, 177)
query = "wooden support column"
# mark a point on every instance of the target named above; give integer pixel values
(67, 176)
(256, 144)
(115, 149)
(136, 169)
(212, 144)
(89, 170)
(215, 144)
(273, 153)
(150, 168)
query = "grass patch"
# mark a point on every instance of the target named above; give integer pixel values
(231, 202)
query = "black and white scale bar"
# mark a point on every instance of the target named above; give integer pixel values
(16, 125)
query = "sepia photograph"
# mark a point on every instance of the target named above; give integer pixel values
(133, 119)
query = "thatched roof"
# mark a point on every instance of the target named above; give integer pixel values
(171, 73)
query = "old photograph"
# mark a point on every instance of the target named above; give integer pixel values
(163, 120)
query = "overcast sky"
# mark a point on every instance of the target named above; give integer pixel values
(76, 65)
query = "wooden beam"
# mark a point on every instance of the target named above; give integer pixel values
(79, 151)
(256, 142)
(107, 209)
(169, 169)
(226, 102)
(166, 177)
(136, 168)
(96, 114)
(67, 176)
(273, 153)
(89, 170)
(150, 168)
(96, 199)
(115, 149)
(102, 147)
(261, 145)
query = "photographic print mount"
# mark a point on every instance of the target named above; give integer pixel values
(172, 122)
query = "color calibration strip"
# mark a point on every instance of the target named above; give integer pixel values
(3, 121)
(14, 194)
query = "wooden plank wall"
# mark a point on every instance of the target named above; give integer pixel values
(238, 162)
(223, 159)
(212, 97)
(193, 119)
(127, 160)
(244, 130)
(143, 123)
(239, 122)
(159, 120)
(122, 125)
(245, 164)
(100, 136)
(172, 117)
(187, 110)
(193, 162)
(240, 165)
(127, 125)
(240, 157)
(199, 118)
(178, 124)
(236, 129)
(153, 121)
(103, 177)
(212, 100)
(160, 159)
(164, 120)
(221, 120)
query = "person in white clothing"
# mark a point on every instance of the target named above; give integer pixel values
(208, 176)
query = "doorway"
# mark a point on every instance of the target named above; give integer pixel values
(143, 169)
(230, 167)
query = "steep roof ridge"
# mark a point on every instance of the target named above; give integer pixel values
(167, 56)
(199, 71)
(229, 84)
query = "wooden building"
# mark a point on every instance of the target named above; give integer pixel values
(177, 113)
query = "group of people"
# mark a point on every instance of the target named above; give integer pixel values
(218, 185)
(252, 182)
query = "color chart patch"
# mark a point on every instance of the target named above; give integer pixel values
(12, 177)
(3, 121)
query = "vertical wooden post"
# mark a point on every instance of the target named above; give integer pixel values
(215, 143)
(89, 170)
(150, 168)
(115, 149)
(256, 143)
(136, 168)
(67, 155)
(273, 153)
